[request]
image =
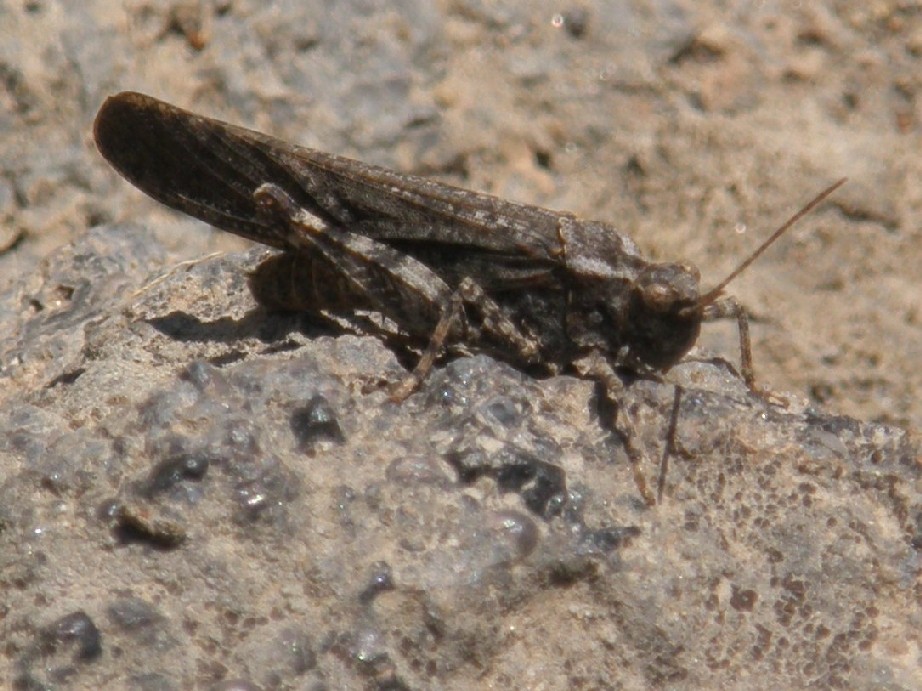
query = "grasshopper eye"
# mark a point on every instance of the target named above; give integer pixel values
(664, 288)
(659, 297)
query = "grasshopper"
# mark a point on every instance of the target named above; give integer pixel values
(542, 290)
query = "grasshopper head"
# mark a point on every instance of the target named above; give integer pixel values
(664, 314)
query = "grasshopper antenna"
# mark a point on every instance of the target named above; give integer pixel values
(712, 295)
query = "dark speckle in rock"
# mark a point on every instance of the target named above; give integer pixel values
(501, 410)
(75, 629)
(316, 422)
(610, 539)
(134, 616)
(381, 580)
(541, 484)
(172, 471)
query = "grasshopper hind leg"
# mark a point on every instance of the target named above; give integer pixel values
(330, 269)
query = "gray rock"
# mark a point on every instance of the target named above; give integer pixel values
(248, 473)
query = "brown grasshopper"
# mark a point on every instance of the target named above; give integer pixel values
(542, 290)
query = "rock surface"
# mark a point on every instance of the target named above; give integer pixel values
(196, 493)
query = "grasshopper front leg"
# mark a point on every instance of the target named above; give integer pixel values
(729, 308)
